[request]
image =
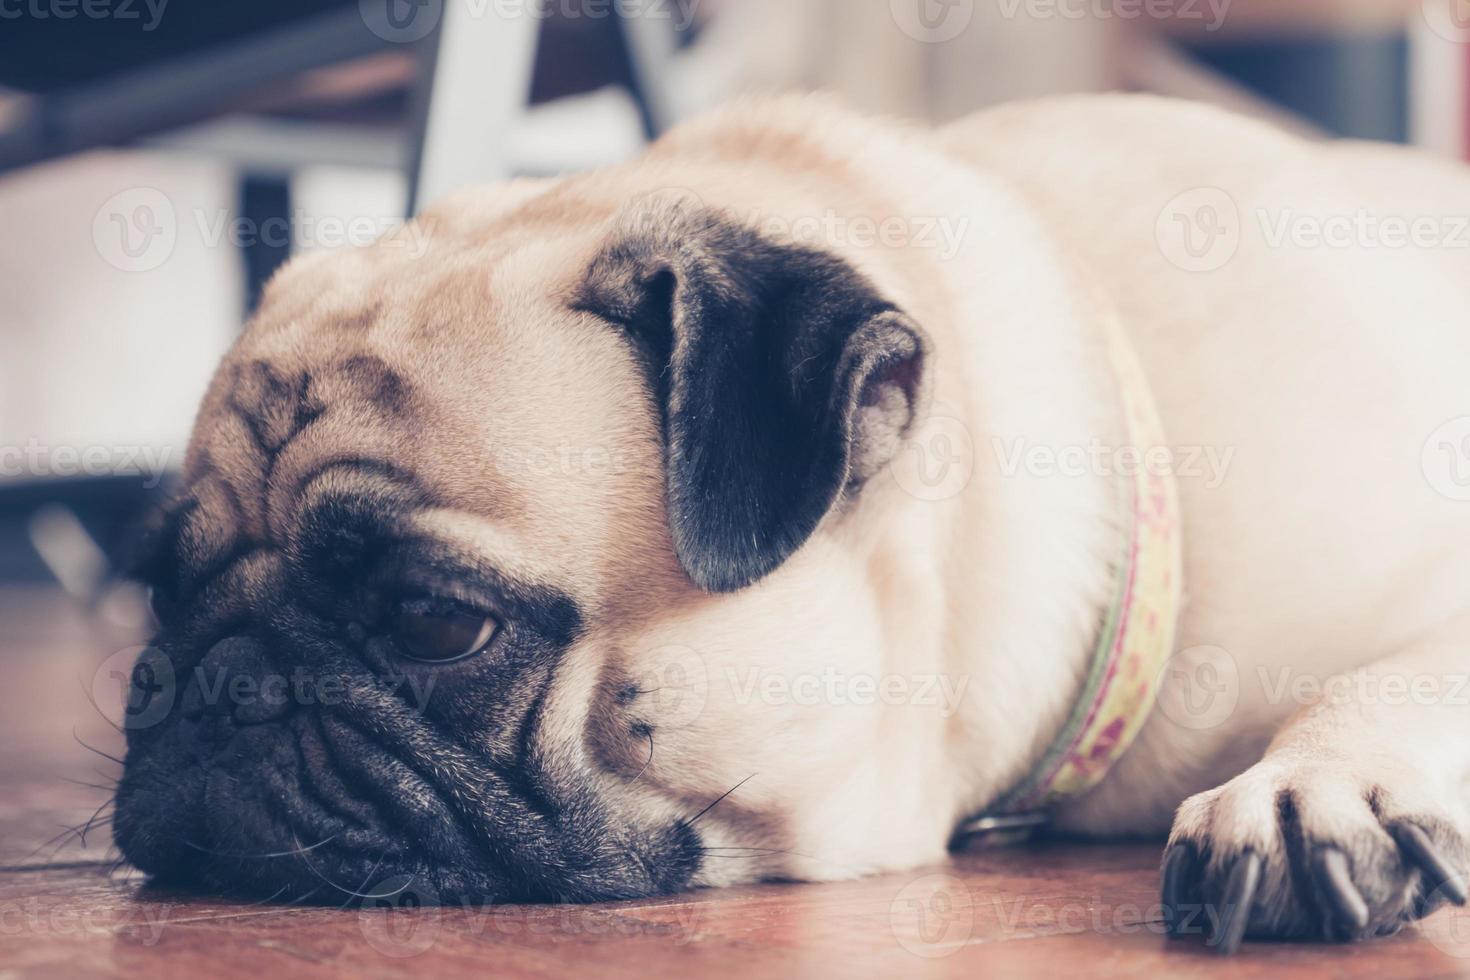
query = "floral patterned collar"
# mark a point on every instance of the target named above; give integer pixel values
(1137, 634)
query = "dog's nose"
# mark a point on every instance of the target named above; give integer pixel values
(237, 681)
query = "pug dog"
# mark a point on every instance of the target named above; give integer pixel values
(705, 520)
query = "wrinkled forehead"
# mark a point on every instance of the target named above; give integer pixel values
(526, 429)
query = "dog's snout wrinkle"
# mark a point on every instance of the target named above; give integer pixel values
(571, 851)
(397, 791)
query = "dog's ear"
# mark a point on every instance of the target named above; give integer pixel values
(785, 380)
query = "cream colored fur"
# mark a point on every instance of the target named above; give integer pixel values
(1316, 373)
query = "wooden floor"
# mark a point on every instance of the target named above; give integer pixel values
(1055, 912)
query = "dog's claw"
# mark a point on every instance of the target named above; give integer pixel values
(1235, 908)
(1179, 868)
(1320, 864)
(1335, 880)
(1419, 852)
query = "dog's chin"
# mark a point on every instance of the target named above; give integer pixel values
(267, 811)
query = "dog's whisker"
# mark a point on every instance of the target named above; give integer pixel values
(258, 857)
(74, 832)
(647, 762)
(354, 893)
(709, 849)
(269, 898)
(95, 821)
(97, 786)
(116, 866)
(98, 708)
(303, 899)
(60, 841)
(369, 877)
(720, 799)
(94, 749)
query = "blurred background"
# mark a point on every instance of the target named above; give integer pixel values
(159, 158)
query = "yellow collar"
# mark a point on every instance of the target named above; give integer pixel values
(1137, 634)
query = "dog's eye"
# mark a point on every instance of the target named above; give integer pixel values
(438, 631)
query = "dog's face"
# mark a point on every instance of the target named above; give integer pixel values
(480, 539)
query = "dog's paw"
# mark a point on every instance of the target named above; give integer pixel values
(1312, 851)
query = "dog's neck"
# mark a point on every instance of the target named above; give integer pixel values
(1135, 637)
(1053, 514)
